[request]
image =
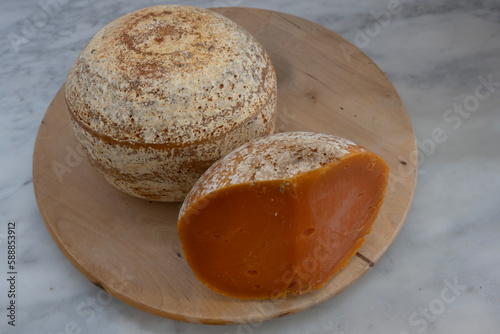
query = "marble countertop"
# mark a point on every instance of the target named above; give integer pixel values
(441, 275)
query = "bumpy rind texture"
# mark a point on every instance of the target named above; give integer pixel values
(160, 94)
(278, 157)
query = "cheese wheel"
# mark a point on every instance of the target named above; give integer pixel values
(160, 94)
(281, 214)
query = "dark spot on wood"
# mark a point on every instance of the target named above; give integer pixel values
(179, 255)
(364, 258)
(341, 108)
(283, 314)
(403, 163)
(99, 285)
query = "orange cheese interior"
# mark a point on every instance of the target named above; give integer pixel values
(269, 238)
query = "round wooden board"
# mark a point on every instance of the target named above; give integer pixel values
(130, 247)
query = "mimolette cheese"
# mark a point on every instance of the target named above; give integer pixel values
(281, 214)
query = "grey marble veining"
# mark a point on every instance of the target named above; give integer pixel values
(441, 275)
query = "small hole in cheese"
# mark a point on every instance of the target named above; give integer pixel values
(252, 272)
(309, 232)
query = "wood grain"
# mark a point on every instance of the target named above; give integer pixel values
(130, 247)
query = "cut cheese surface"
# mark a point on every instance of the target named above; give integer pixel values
(281, 214)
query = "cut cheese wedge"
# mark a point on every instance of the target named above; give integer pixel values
(281, 214)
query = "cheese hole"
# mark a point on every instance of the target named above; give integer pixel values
(308, 232)
(360, 194)
(252, 272)
(216, 236)
(257, 286)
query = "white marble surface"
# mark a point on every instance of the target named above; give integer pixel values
(433, 51)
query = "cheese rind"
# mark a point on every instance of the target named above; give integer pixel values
(277, 157)
(160, 94)
(281, 214)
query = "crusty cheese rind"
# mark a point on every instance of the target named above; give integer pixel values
(159, 94)
(278, 157)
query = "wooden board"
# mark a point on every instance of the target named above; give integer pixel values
(130, 247)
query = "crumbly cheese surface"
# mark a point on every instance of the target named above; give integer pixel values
(278, 157)
(158, 95)
(169, 74)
